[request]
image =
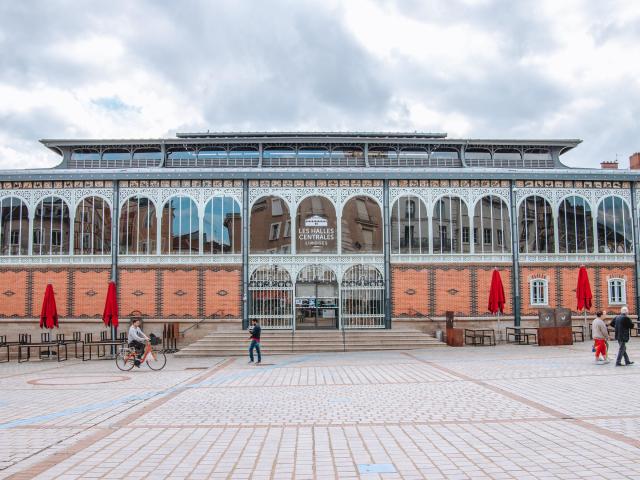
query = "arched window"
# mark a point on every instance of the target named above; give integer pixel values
(450, 221)
(362, 297)
(535, 224)
(614, 226)
(575, 226)
(138, 227)
(180, 227)
(222, 226)
(491, 227)
(317, 225)
(270, 226)
(361, 226)
(271, 297)
(92, 227)
(51, 227)
(409, 226)
(14, 227)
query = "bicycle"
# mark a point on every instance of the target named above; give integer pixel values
(126, 357)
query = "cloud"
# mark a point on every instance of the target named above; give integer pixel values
(473, 68)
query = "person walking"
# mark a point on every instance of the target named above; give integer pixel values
(623, 325)
(255, 331)
(600, 337)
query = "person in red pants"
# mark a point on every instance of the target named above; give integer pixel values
(600, 337)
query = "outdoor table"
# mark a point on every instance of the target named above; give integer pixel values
(4, 344)
(101, 345)
(522, 335)
(480, 336)
(75, 341)
(48, 345)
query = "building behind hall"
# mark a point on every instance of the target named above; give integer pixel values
(313, 230)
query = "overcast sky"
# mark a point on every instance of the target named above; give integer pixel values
(471, 68)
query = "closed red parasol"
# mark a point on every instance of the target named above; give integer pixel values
(110, 315)
(583, 290)
(49, 312)
(583, 294)
(496, 293)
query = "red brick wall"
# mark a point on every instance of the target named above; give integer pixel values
(167, 292)
(430, 290)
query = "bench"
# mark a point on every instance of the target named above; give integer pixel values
(522, 335)
(479, 337)
(45, 344)
(100, 345)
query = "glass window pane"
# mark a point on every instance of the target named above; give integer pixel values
(317, 226)
(14, 227)
(92, 227)
(52, 224)
(222, 226)
(138, 227)
(361, 226)
(265, 213)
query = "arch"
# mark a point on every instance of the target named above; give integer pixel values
(138, 226)
(614, 225)
(362, 294)
(491, 231)
(180, 226)
(51, 227)
(361, 223)
(536, 225)
(317, 297)
(450, 225)
(14, 226)
(92, 226)
(316, 225)
(271, 297)
(409, 226)
(575, 225)
(270, 226)
(222, 226)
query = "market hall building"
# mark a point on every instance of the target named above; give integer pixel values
(312, 231)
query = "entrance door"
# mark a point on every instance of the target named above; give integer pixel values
(317, 302)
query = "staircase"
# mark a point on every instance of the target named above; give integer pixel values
(281, 342)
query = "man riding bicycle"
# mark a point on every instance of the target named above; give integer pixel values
(137, 340)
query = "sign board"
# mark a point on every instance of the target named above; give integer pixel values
(546, 317)
(316, 233)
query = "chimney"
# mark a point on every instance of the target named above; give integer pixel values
(613, 165)
(634, 161)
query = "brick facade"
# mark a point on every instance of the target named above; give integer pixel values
(163, 293)
(420, 291)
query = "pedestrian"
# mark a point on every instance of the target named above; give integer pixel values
(600, 337)
(255, 331)
(623, 325)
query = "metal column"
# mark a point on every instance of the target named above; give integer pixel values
(115, 217)
(636, 244)
(245, 254)
(387, 255)
(515, 255)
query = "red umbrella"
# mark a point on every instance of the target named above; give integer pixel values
(583, 290)
(49, 313)
(110, 315)
(496, 293)
(583, 293)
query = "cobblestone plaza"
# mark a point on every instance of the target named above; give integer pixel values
(504, 412)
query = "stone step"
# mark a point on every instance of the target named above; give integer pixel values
(232, 343)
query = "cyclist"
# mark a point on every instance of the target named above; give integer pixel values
(136, 340)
